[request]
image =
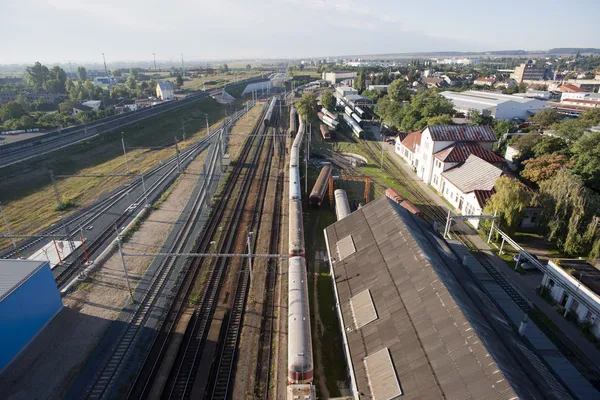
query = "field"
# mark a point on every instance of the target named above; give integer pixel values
(26, 191)
(211, 81)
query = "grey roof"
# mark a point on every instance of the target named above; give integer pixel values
(13, 273)
(165, 86)
(439, 337)
(455, 133)
(474, 174)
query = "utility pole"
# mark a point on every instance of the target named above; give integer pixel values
(144, 187)
(155, 70)
(182, 67)
(55, 186)
(207, 126)
(125, 153)
(9, 231)
(105, 69)
(120, 243)
(177, 154)
(183, 128)
(250, 254)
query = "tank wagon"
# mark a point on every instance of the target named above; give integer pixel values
(269, 120)
(300, 358)
(357, 118)
(359, 111)
(348, 111)
(342, 208)
(328, 121)
(324, 132)
(358, 131)
(320, 188)
(293, 122)
(403, 202)
(329, 113)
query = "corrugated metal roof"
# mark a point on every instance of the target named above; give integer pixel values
(456, 133)
(13, 273)
(165, 86)
(439, 338)
(474, 174)
(460, 151)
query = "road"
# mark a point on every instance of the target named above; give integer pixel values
(35, 147)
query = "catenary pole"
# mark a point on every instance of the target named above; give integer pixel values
(9, 231)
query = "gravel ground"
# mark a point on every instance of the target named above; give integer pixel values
(51, 363)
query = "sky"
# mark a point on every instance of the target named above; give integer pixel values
(59, 31)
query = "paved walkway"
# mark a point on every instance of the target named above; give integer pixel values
(525, 284)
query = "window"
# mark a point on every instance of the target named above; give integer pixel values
(551, 283)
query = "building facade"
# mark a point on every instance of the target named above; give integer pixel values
(165, 91)
(338, 76)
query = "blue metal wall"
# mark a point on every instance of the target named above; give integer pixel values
(25, 311)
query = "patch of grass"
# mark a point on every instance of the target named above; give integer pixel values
(26, 191)
(83, 286)
(165, 195)
(194, 300)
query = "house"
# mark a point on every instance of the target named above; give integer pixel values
(436, 138)
(452, 80)
(408, 147)
(130, 105)
(498, 105)
(568, 88)
(79, 108)
(165, 91)
(483, 81)
(93, 104)
(509, 83)
(575, 286)
(337, 76)
(456, 154)
(469, 186)
(435, 82)
(379, 88)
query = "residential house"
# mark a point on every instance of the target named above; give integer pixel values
(483, 81)
(452, 80)
(468, 186)
(509, 83)
(165, 91)
(568, 88)
(435, 82)
(79, 108)
(436, 138)
(408, 146)
(93, 104)
(455, 155)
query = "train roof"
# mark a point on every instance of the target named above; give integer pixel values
(414, 321)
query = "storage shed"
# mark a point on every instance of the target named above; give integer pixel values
(29, 299)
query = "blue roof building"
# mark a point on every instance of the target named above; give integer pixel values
(29, 299)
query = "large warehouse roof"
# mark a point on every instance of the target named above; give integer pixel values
(13, 273)
(486, 98)
(414, 323)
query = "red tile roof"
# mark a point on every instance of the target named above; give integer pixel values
(582, 101)
(456, 133)
(460, 151)
(402, 135)
(566, 87)
(482, 196)
(412, 139)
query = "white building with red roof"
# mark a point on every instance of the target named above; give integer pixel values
(407, 146)
(436, 138)
(468, 186)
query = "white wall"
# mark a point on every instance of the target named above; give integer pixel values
(469, 206)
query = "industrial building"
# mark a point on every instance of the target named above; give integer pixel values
(529, 72)
(338, 76)
(29, 300)
(498, 105)
(414, 322)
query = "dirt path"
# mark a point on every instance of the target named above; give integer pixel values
(46, 369)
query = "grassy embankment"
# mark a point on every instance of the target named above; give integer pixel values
(26, 191)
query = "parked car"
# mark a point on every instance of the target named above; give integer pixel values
(525, 263)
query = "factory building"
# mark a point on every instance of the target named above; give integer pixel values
(498, 105)
(338, 76)
(29, 300)
(414, 323)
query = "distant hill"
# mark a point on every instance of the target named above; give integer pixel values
(574, 50)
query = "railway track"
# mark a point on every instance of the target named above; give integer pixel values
(104, 379)
(174, 378)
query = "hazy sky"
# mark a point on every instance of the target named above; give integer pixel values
(127, 30)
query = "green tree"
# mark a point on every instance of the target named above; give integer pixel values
(501, 127)
(568, 209)
(398, 91)
(443, 119)
(66, 107)
(479, 119)
(179, 80)
(117, 73)
(307, 106)
(37, 76)
(525, 144)
(23, 102)
(360, 81)
(510, 199)
(82, 74)
(11, 110)
(328, 100)
(131, 82)
(430, 103)
(548, 145)
(248, 67)
(224, 68)
(134, 72)
(546, 117)
(544, 167)
(586, 159)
